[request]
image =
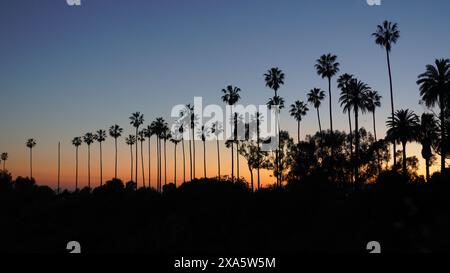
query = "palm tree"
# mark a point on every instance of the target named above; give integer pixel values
(356, 99)
(216, 130)
(343, 82)
(77, 141)
(175, 140)
(4, 157)
(386, 35)
(427, 135)
(203, 133)
(188, 117)
(141, 138)
(277, 102)
(373, 101)
(148, 133)
(274, 79)
(403, 128)
(298, 110)
(315, 97)
(231, 97)
(136, 119)
(101, 137)
(115, 132)
(165, 137)
(159, 126)
(328, 67)
(89, 138)
(435, 89)
(130, 141)
(30, 144)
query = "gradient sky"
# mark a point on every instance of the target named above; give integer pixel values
(66, 70)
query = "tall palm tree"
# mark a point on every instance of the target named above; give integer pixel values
(4, 157)
(136, 120)
(386, 35)
(435, 89)
(77, 141)
(100, 136)
(373, 102)
(403, 128)
(427, 135)
(148, 133)
(89, 138)
(115, 132)
(159, 126)
(216, 130)
(130, 141)
(231, 97)
(356, 99)
(327, 67)
(298, 110)
(30, 144)
(343, 82)
(315, 97)
(141, 138)
(203, 133)
(175, 140)
(181, 135)
(258, 118)
(165, 137)
(188, 117)
(274, 79)
(277, 102)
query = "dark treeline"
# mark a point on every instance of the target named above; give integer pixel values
(311, 214)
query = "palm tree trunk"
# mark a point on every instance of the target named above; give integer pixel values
(404, 158)
(356, 148)
(31, 163)
(175, 167)
(193, 150)
(142, 160)
(427, 163)
(237, 161)
(101, 166)
(259, 151)
(376, 140)
(89, 166)
(218, 159)
(351, 143)
(443, 140)
(318, 118)
(158, 171)
(204, 159)
(165, 163)
(298, 131)
(331, 109)
(184, 162)
(251, 178)
(392, 97)
(76, 168)
(149, 164)
(136, 173)
(115, 159)
(190, 156)
(131, 169)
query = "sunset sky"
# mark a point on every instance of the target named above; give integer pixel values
(65, 71)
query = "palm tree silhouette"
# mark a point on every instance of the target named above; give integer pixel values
(30, 144)
(148, 133)
(158, 127)
(131, 140)
(77, 141)
(328, 67)
(427, 135)
(175, 140)
(356, 99)
(100, 136)
(298, 110)
(141, 138)
(4, 157)
(203, 133)
(315, 97)
(274, 78)
(373, 101)
(434, 89)
(89, 138)
(115, 132)
(188, 117)
(277, 103)
(343, 82)
(181, 136)
(386, 35)
(403, 128)
(136, 120)
(165, 135)
(231, 97)
(216, 130)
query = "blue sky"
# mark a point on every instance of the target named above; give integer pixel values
(68, 70)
